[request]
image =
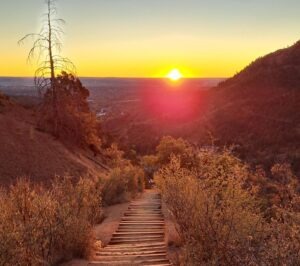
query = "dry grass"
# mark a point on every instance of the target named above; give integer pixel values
(41, 226)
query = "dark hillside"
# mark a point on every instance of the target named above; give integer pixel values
(280, 69)
(259, 109)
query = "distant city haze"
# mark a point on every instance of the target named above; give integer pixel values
(142, 38)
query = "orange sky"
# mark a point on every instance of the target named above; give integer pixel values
(140, 38)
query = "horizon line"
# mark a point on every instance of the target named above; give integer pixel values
(122, 77)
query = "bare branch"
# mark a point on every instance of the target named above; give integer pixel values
(30, 35)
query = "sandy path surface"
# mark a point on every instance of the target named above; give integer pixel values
(110, 224)
(104, 231)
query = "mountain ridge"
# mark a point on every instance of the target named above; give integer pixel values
(258, 109)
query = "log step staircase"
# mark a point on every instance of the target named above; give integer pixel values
(140, 237)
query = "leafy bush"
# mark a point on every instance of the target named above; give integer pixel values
(70, 119)
(170, 146)
(123, 184)
(222, 216)
(124, 181)
(219, 220)
(41, 226)
(116, 156)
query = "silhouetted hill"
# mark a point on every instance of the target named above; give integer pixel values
(259, 109)
(278, 69)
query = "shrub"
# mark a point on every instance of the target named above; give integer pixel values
(150, 166)
(219, 220)
(71, 120)
(123, 184)
(282, 244)
(223, 219)
(169, 146)
(116, 156)
(41, 226)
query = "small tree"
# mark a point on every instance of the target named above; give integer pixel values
(64, 111)
(46, 47)
(75, 122)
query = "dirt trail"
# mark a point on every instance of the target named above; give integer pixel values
(140, 237)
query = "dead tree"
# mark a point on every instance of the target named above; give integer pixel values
(46, 48)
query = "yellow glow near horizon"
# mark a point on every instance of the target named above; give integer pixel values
(129, 59)
(174, 75)
(105, 39)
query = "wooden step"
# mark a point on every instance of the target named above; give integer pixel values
(144, 214)
(128, 263)
(133, 241)
(142, 226)
(133, 236)
(134, 212)
(137, 233)
(128, 231)
(141, 261)
(142, 245)
(139, 239)
(115, 248)
(154, 221)
(132, 252)
(141, 219)
(146, 208)
(132, 257)
(139, 252)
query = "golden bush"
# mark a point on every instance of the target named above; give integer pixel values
(41, 226)
(123, 184)
(223, 217)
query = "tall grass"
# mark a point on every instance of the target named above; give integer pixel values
(40, 226)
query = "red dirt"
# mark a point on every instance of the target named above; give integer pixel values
(104, 231)
(27, 152)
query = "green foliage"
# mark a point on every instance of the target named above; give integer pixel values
(123, 184)
(124, 181)
(41, 226)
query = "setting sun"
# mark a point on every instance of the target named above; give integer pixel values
(174, 75)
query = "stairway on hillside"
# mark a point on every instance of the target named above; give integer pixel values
(139, 239)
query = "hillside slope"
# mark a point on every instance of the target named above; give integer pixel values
(259, 109)
(27, 152)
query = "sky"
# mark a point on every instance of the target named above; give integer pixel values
(148, 38)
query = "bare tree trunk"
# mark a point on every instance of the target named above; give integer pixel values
(52, 70)
(47, 43)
